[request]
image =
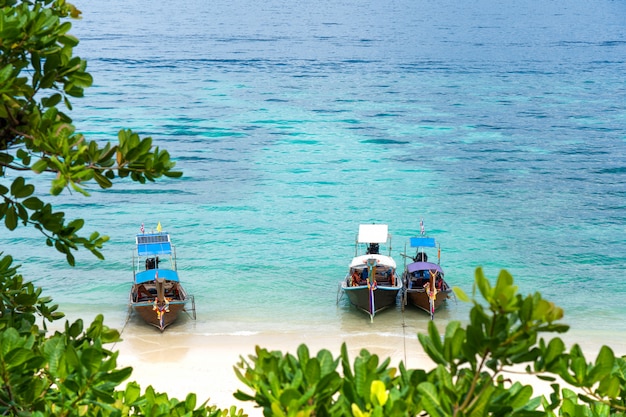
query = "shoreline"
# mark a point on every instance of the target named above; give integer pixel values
(204, 364)
(199, 356)
(179, 363)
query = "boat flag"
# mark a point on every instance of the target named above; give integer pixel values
(142, 229)
(422, 226)
(159, 227)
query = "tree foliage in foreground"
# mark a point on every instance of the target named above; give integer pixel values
(470, 375)
(70, 372)
(39, 78)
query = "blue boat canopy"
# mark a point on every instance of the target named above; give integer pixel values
(151, 274)
(152, 244)
(423, 242)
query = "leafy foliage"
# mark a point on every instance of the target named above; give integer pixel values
(39, 75)
(470, 373)
(68, 373)
(71, 372)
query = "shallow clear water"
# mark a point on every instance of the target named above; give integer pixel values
(503, 128)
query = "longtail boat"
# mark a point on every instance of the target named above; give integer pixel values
(372, 283)
(156, 293)
(424, 283)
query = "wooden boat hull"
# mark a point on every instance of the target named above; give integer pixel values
(384, 297)
(156, 293)
(419, 298)
(419, 278)
(372, 283)
(424, 283)
(149, 314)
(158, 302)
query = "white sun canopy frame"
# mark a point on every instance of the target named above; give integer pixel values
(373, 233)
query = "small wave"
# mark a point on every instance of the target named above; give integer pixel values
(237, 333)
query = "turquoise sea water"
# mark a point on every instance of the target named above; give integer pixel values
(504, 128)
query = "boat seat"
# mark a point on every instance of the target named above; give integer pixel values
(418, 282)
(142, 293)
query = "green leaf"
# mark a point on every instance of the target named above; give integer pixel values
(312, 371)
(102, 395)
(277, 411)
(5, 159)
(289, 395)
(68, 40)
(360, 378)
(481, 401)
(18, 356)
(435, 337)
(51, 101)
(132, 393)
(460, 294)
(5, 73)
(17, 185)
(54, 349)
(71, 357)
(521, 397)
(578, 367)
(453, 341)
(431, 349)
(483, 285)
(553, 352)
(610, 387)
(345, 359)
(102, 180)
(430, 400)
(10, 218)
(82, 79)
(603, 366)
(303, 354)
(117, 376)
(191, 401)
(33, 203)
(75, 225)
(40, 166)
(25, 191)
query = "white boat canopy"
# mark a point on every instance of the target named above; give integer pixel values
(373, 233)
(381, 261)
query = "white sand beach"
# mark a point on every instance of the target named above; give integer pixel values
(203, 364)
